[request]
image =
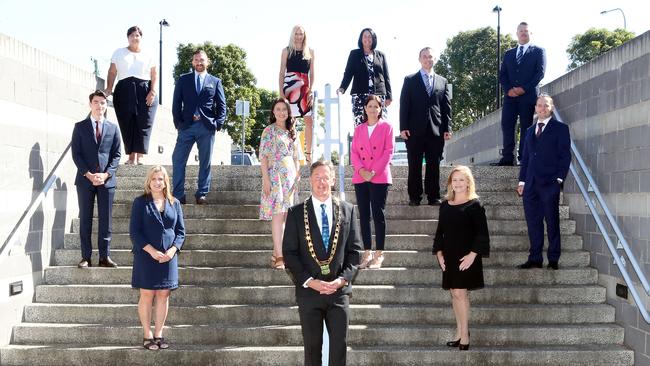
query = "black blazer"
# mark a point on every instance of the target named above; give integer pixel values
(417, 109)
(88, 155)
(296, 254)
(527, 74)
(211, 102)
(547, 157)
(356, 68)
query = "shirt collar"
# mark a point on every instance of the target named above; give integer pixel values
(92, 120)
(526, 45)
(544, 121)
(201, 73)
(317, 202)
(424, 73)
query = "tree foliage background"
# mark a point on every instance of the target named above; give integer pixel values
(469, 62)
(593, 43)
(229, 64)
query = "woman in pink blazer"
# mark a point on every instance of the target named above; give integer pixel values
(371, 152)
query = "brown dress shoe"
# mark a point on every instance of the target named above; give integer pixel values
(201, 200)
(107, 262)
(85, 263)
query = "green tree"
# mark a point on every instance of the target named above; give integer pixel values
(262, 115)
(593, 43)
(469, 63)
(229, 64)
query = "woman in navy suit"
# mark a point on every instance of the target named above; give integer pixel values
(368, 67)
(157, 232)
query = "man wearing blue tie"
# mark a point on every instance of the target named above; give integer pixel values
(96, 152)
(199, 109)
(521, 71)
(544, 167)
(321, 248)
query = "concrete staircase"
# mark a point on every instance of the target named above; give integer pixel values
(232, 309)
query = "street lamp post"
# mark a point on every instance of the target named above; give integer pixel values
(497, 9)
(622, 13)
(163, 23)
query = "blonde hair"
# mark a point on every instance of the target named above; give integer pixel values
(147, 183)
(471, 185)
(306, 51)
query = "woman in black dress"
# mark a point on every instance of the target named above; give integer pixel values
(461, 240)
(368, 67)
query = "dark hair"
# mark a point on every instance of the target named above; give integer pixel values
(374, 38)
(96, 93)
(200, 51)
(522, 23)
(134, 29)
(369, 99)
(319, 163)
(290, 123)
(424, 49)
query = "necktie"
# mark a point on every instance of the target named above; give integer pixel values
(198, 84)
(540, 125)
(325, 230)
(429, 84)
(520, 54)
(98, 133)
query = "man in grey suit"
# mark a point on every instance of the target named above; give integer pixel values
(425, 124)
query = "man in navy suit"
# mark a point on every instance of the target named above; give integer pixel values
(544, 167)
(199, 110)
(521, 71)
(425, 124)
(96, 152)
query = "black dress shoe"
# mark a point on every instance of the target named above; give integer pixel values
(503, 163)
(435, 202)
(85, 263)
(455, 343)
(463, 347)
(414, 203)
(107, 262)
(553, 265)
(529, 265)
(201, 200)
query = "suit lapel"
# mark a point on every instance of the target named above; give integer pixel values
(316, 237)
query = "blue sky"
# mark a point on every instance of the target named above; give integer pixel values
(78, 30)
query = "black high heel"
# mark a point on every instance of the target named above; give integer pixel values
(463, 347)
(454, 343)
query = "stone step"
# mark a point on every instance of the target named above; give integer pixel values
(387, 314)
(253, 198)
(364, 335)
(101, 355)
(254, 183)
(419, 242)
(363, 294)
(261, 258)
(238, 276)
(255, 226)
(231, 171)
(193, 211)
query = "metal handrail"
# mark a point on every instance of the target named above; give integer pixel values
(49, 182)
(619, 260)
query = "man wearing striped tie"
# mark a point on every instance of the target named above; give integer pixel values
(521, 71)
(321, 248)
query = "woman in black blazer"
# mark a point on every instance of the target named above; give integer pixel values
(368, 68)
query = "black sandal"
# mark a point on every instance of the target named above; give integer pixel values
(150, 344)
(161, 342)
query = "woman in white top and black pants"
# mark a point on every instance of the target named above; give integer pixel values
(134, 98)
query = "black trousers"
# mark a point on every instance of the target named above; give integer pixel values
(430, 147)
(511, 110)
(134, 116)
(371, 197)
(335, 311)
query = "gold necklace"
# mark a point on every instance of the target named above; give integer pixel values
(324, 265)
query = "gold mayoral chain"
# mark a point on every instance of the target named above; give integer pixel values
(324, 265)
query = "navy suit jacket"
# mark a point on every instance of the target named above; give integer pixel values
(547, 157)
(211, 102)
(88, 155)
(527, 74)
(417, 109)
(150, 226)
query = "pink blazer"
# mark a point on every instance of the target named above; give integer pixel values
(373, 153)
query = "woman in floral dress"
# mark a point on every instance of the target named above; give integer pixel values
(279, 157)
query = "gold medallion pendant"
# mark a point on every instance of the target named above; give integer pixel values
(323, 265)
(325, 269)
